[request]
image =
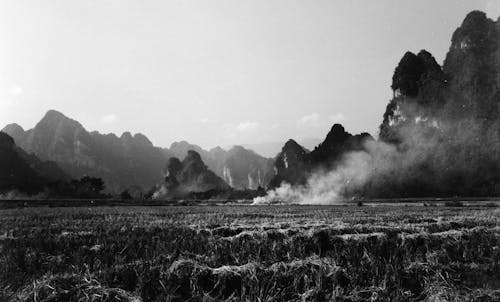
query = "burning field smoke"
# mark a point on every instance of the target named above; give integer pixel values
(435, 156)
(440, 136)
(344, 182)
(324, 187)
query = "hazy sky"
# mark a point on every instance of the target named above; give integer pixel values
(215, 72)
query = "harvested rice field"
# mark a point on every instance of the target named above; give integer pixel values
(250, 253)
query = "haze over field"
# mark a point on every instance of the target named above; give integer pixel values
(439, 136)
(215, 73)
(223, 75)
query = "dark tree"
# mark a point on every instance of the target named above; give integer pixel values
(125, 195)
(88, 187)
(407, 74)
(173, 166)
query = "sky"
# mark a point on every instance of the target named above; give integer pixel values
(218, 72)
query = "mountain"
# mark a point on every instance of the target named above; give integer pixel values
(472, 66)
(418, 84)
(445, 120)
(440, 133)
(271, 149)
(180, 150)
(195, 176)
(23, 172)
(190, 175)
(239, 167)
(467, 86)
(243, 169)
(291, 164)
(121, 161)
(129, 161)
(337, 143)
(294, 164)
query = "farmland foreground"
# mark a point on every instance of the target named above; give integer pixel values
(250, 253)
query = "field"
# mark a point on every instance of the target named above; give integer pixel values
(250, 253)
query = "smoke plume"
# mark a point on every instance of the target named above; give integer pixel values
(440, 134)
(435, 156)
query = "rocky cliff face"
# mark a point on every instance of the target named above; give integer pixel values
(121, 161)
(446, 120)
(466, 87)
(472, 66)
(23, 172)
(129, 160)
(291, 164)
(190, 175)
(439, 135)
(294, 163)
(418, 82)
(55, 137)
(195, 176)
(244, 169)
(337, 143)
(271, 149)
(180, 150)
(241, 168)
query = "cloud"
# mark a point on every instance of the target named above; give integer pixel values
(242, 129)
(204, 120)
(109, 119)
(311, 120)
(247, 126)
(336, 118)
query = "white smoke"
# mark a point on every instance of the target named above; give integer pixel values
(328, 187)
(434, 149)
(17, 195)
(160, 193)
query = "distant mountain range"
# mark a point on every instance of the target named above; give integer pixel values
(294, 164)
(24, 172)
(132, 161)
(271, 149)
(122, 162)
(446, 119)
(241, 168)
(129, 160)
(440, 133)
(190, 175)
(439, 136)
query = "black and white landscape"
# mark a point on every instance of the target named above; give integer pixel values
(260, 172)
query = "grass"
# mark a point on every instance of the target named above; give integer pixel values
(250, 253)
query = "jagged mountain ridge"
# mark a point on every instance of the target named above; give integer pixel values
(271, 149)
(244, 169)
(467, 86)
(122, 162)
(129, 160)
(448, 123)
(23, 172)
(440, 134)
(239, 167)
(190, 175)
(455, 107)
(291, 164)
(294, 164)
